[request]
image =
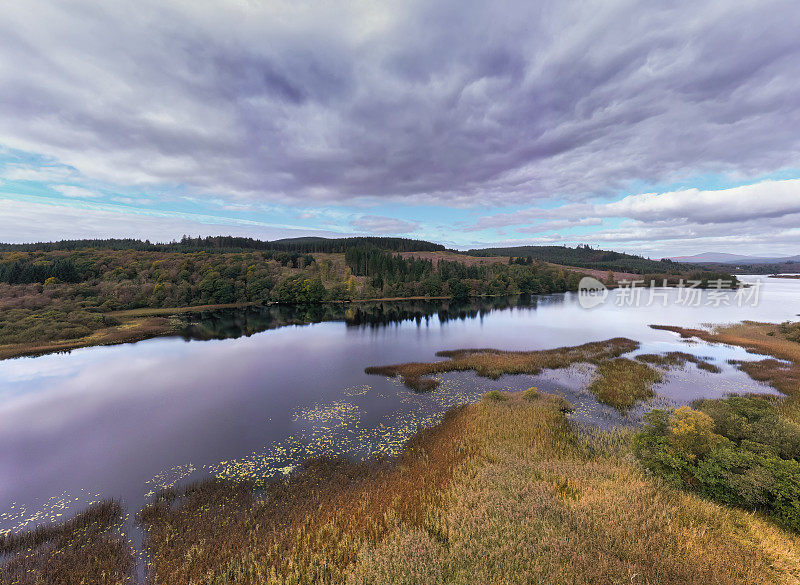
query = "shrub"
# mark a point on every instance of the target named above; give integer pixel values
(736, 450)
(496, 395)
(692, 432)
(531, 393)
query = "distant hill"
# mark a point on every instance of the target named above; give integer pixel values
(723, 258)
(587, 257)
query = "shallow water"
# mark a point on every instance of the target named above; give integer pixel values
(123, 421)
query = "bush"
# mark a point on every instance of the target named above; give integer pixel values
(496, 395)
(737, 450)
(531, 393)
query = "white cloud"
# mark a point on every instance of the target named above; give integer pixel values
(43, 173)
(558, 224)
(76, 192)
(383, 225)
(26, 221)
(760, 200)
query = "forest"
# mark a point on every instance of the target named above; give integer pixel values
(71, 293)
(587, 257)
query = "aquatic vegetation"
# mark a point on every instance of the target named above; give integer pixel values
(493, 363)
(775, 342)
(622, 382)
(89, 548)
(782, 375)
(678, 359)
(310, 527)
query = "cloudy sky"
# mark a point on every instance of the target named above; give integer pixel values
(661, 128)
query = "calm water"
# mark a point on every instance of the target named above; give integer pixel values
(257, 394)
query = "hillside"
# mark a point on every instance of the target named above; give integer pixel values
(587, 257)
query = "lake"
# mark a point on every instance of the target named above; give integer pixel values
(252, 393)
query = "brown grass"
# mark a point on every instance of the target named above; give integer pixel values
(622, 383)
(89, 548)
(541, 509)
(493, 363)
(310, 528)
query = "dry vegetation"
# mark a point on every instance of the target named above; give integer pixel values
(493, 363)
(543, 507)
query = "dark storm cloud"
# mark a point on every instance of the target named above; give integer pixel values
(457, 103)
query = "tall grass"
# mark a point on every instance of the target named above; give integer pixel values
(87, 549)
(549, 507)
(493, 363)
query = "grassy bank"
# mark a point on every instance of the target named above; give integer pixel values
(501, 491)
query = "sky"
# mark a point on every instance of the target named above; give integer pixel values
(659, 128)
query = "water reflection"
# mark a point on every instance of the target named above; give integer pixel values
(234, 323)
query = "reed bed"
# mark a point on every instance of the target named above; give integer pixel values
(675, 359)
(774, 341)
(311, 527)
(493, 363)
(87, 549)
(621, 383)
(548, 506)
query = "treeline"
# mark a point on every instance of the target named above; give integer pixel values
(397, 276)
(231, 244)
(587, 257)
(41, 267)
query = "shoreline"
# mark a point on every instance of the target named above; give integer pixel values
(148, 323)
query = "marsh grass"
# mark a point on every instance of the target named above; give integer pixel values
(310, 527)
(493, 363)
(622, 382)
(89, 548)
(550, 506)
(677, 359)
